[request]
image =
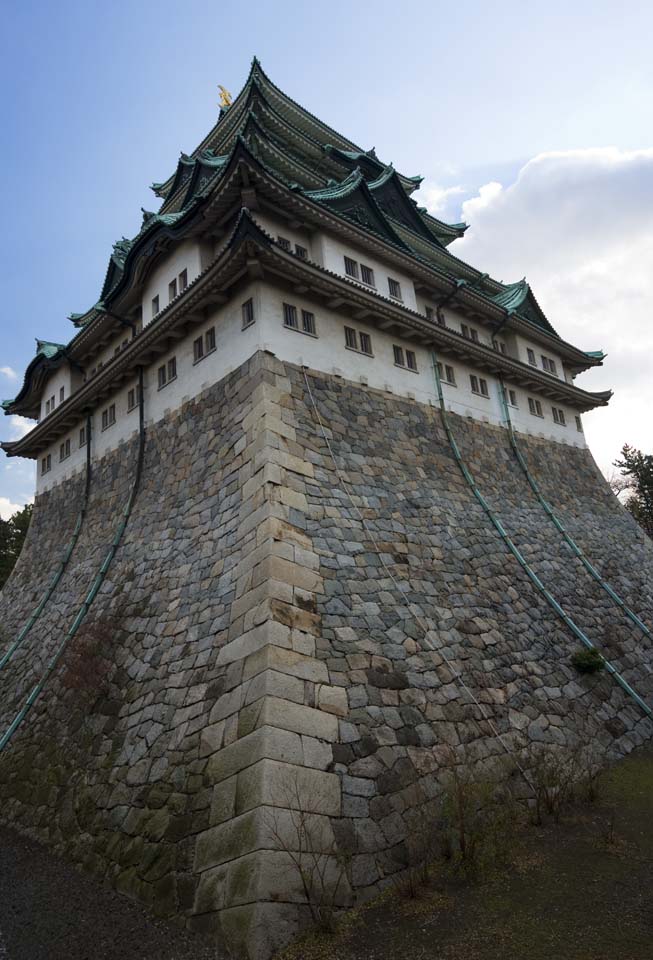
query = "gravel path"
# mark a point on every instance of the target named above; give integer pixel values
(48, 911)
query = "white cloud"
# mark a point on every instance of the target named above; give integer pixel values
(9, 373)
(437, 198)
(579, 225)
(19, 426)
(7, 508)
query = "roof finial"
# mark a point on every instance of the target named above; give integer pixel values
(225, 97)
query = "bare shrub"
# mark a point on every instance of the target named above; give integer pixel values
(421, 847)
(478, 814)
(306, 838)
(562, 774)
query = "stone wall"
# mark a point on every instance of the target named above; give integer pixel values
(252, 648)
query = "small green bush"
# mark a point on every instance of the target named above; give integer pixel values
(588, 661)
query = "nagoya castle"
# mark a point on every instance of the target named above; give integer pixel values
(314, 505)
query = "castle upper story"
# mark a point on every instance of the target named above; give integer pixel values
(279, 234)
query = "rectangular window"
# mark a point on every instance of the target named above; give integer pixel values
(447, 374)
(351, 339)
(351, 268)
(82, 436)
(248, 313)
(469, 333)
(357, 340)
(61, 394)
(411, 360)
(46, 463)
(172, 369)
(51, 403)
(535, 407)
(512, 398)
(161, 376)
(284, 243)
(183, 280)
(367, 275)
(474, 383)
(531, 357)
(484, 389)
(549, 365)
(155, 305)
(499, 346)
(167, 372)
(399, 356)
(366, 343)
(479, 385)
(209, 340)
(172, 290)
(559, 416)
(308, 322)
(579, 424)
(109, 416)
(133, 397)
(395, 288)
(198, 349)
(64, 450)
(429, 313)
(301, 252)
(439, 316)
(47, 407)
(290, 316)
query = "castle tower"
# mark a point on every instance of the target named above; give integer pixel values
(314, 505)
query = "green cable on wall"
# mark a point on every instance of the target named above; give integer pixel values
(614, 596)
(95, 586)
(34, 616)
(514, 550)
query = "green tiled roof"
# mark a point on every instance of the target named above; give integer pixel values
(512, 296)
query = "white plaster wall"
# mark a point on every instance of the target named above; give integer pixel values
(522, 354)
(187, 255)
(331, 252)
(326, 352)
(277, 227)
(109, 352)
(60, 378)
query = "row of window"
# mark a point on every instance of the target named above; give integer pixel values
(291, 319)
(479, 386)
(176, 286)
(50, 404)
(548, 364)
(365, 274)
(357, 340)
(436, 315)
(300, 251)
(204, 345)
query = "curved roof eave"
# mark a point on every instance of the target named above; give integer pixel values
(48, 356)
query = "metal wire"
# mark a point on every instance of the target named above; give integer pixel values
(426, 630)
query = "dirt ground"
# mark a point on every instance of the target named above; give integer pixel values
(49, 911)
(578, 890)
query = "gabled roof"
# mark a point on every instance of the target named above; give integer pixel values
(354, 199)
(27, 401)
(296, 155)
(388, 192)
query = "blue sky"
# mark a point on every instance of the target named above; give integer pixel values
(100, 99)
